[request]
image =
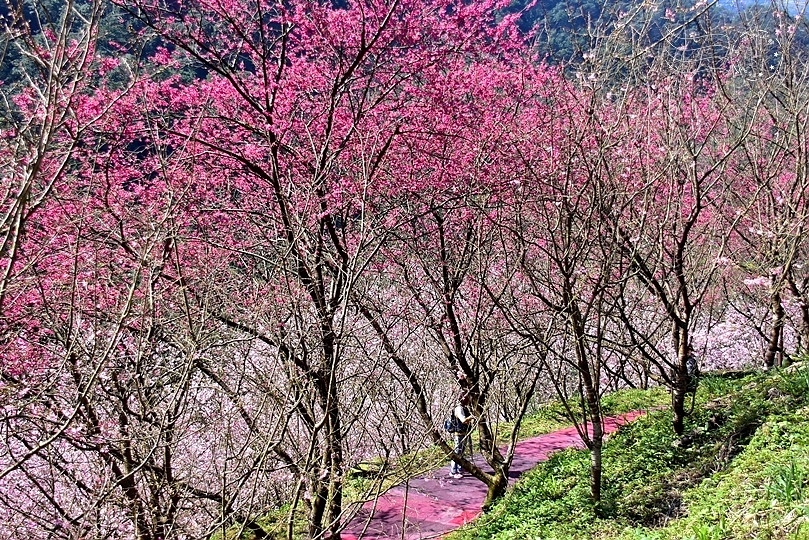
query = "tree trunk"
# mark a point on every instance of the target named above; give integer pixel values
(319, 494)
(680, 384)
(496, 488)
(804, 346)
(335, 472)
(680, 380)
(774, 340)
(596, 439)
(590, 382)
(497, 482)
(595, 466)
(803, 343)
(678, 406)
(678, 393)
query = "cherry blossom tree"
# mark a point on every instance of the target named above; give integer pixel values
(221, 271)
(121, 415)
(770, 200)
(50, 56)
(442, 256)
(565, 269)
(290, 133)
(669, 224)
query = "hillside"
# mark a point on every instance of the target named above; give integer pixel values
(253, 256)
(740, 471)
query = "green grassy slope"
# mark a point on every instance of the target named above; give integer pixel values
(740, 471)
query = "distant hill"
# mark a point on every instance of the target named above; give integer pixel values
(561, 26)
(794, 7)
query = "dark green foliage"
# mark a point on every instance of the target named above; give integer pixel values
(787, 483)
(559, 26)
(564, 30)
(794, 381)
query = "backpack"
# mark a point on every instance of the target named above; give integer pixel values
(453, 424)
(692, 373)
(691, 366)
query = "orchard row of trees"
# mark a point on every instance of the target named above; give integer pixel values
(235, 269)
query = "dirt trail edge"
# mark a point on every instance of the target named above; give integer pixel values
(431, 505)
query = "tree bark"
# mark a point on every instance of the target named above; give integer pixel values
(595, 439)
(771, 357)
(595, 466)
(680, 381)
(496, 488)
(804, 306)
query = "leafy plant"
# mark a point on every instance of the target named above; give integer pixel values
(794, 381)
(786, 483)
(706, 531)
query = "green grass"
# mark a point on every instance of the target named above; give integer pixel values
(740, 471)
(552, 416)
(634, 399)
(271, 525)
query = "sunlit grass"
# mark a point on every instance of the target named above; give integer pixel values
(741, 471)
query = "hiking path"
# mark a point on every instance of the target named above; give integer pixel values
(433, 504)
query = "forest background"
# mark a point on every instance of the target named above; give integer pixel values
(247, 246)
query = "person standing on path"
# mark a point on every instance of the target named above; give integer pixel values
(461, 432)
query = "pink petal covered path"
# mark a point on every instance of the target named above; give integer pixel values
(434, 504)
